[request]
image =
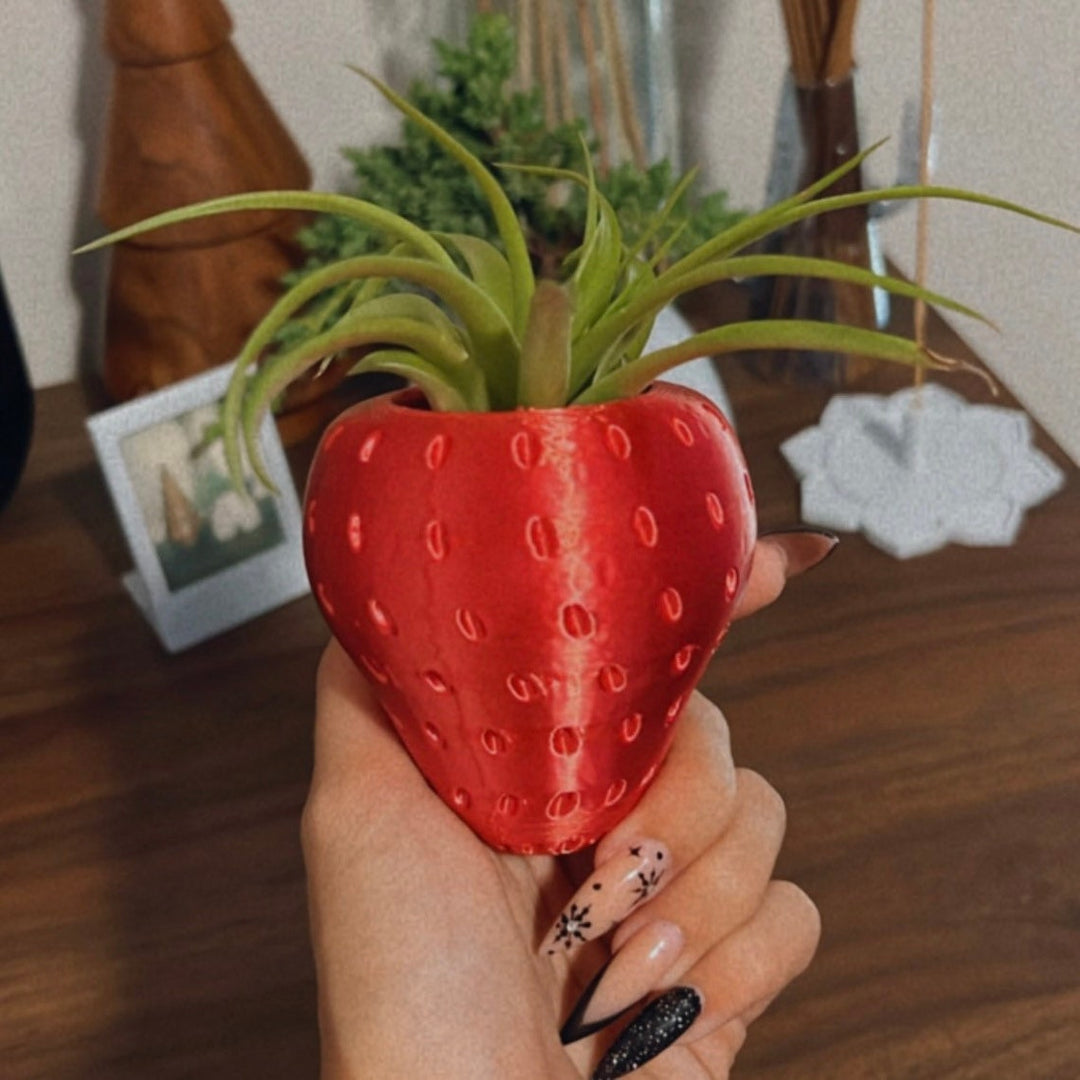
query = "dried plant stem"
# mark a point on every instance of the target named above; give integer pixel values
(622, 91)
(955, 364)
(562, 58)
(524, 44)
(547, 63)
(820, 28)
(544, 54)
(841, 56)
(596, 90)
(821, 39)
(794, 24)
(922, 228)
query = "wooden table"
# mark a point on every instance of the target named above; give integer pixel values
(921, 719)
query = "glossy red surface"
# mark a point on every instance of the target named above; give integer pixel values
(532, 593)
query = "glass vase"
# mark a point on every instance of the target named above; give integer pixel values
(828, 137)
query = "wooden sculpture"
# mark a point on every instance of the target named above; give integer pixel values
(187, 121)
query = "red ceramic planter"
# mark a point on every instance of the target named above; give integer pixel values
(533, 594)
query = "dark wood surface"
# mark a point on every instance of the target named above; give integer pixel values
(920, 718)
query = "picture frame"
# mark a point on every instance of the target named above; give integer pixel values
(207, 557)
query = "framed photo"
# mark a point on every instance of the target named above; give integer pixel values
(207, 556)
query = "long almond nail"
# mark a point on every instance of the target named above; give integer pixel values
(625, 979)
(655, 1029)
(611, 892)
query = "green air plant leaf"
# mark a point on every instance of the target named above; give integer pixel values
(330, 307)
(648, 302)
(410, 306)
(769, 220)
(631, 341)
(335, 303)
(492, 344)
(599, 263)
(442, 395)
(487, 267)
(659, 256)
(789, 212)
(602, 258)
(506, 221)
(658, 224)
(634, 377)
(209, 437)
(316, 202)
(279, 371)
(907, 192)
(599, 260)
(545, 351)
(471, 96)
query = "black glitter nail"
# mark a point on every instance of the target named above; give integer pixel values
(658, 1026)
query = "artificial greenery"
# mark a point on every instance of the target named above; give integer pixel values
(472, 100)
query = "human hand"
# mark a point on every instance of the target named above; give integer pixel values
(437, 956)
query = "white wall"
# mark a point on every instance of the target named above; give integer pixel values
(1008, 87)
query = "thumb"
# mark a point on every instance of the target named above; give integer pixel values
(777, 558)
(355, 745)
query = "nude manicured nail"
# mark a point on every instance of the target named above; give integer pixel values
(625, 979)
(805, 548)
(658, 1025)
(611, 892)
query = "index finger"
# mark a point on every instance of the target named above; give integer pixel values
(777, 558)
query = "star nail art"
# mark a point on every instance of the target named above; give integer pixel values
(572, 925)
(614, 889)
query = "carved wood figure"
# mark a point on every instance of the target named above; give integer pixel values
(187, 122)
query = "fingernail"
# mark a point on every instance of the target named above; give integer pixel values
(804, 548)
(658, 1026)
(625, 979)
(610, 893)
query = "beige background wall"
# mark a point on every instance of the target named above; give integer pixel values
(1009, 123)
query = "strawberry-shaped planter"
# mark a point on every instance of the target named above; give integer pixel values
(533, 594)
(534, 553)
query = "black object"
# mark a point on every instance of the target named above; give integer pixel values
(655, 1029)
(16, 404)
(574, 1029)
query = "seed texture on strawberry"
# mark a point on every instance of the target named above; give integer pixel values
(533, 594)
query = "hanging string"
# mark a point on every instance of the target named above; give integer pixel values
(922, 227)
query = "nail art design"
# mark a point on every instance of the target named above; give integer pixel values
(613, 890)
(658, 1026)
(572, 925)
(647, 884)
(625, 979)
